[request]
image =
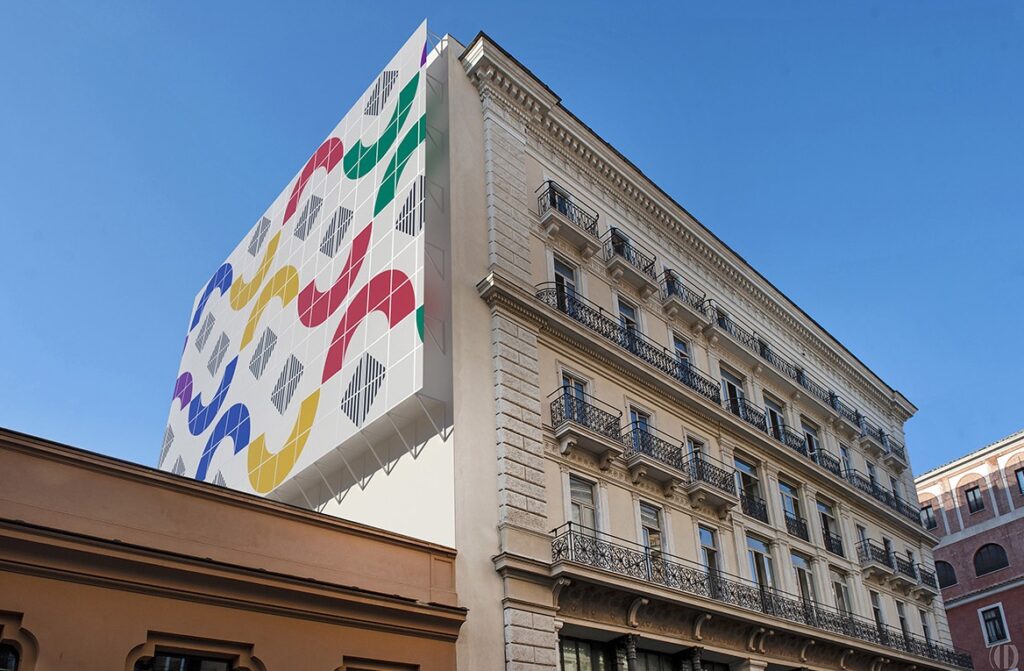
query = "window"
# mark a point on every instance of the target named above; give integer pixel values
(862, 534)
(975, 503)
(840, 591)
(581, 502)
(894, 485)
(926, 627)
(1020, 479)
(872, 475)
(945, 574)
(574, 399)
(650, 525)
(629, 320)
(695, 447)
(653, 661)
(790, 499)
(804, 577)
(584, 655)
(928, 518)
(760, 558)
(8, 658)
(732, 390)
(888, 547)
(990, 557)
(844, 456)
(565, 286)
(175, 662)
(708, 548)
(747, 482)
(993, 624)
(776, 423)
(640, 427)
(876, 609)
(901, 611)
(810, 438)
(682, 349)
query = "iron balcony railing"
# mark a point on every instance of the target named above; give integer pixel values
(673, 285)
(829, 462)
(574, 544)
(604, 324)
(797, 526)
(553, 197)
(927, 576)
(702, 468)
(754, 506)
(833, 542)
(868, 429)
(895, 448)
(597, 320)
(747, 411)
(572, 405)
(845, 411)
(618, 245)
(905, 566)
(642, 439)
(870, 551)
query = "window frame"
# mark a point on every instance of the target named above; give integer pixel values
(1019, 474)
(596, 528)
(1002, 622)
(974, 560)
(938, 573)
(979, 500)
(928, 517)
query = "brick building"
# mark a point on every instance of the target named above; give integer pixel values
(975, 508)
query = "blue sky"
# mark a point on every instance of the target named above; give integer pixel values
(865, 157)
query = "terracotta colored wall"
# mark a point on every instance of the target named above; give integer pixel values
(966, 627)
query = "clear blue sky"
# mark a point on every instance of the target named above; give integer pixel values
(868, 158)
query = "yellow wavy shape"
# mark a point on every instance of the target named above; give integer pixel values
(266, 470)
(241, 291)
(284, 285)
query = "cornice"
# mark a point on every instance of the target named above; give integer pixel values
(519, 92)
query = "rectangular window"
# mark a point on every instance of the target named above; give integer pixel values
(993, 624)
(894, 484)
(862, 534)
(844, 456)
(565, 286)
(790, 499)
(760, 557)
(708, 548)
(650, 523)
(640, 426)
(810, 438)
(584, 655)
(682, 349)
(747, 481)
(840, 591)
(776, 423)
(975, 503)
(926, 627)
(695, 447)
(581, 502)
(876, 609)
(804, 576)
(872, 475)
(901, 611)
(928, 517)
(732, 390)
(1020, 479)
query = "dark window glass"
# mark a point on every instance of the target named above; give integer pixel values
(1020, 480)
(945, 573)
(928, 518)
(173, 662)
(8, 658)
(995, 629)
(974, 501)
(990, 557)
(580, 655)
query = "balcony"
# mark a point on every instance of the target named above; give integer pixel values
(829, 462)
(875, 561)
(630, 263)
(895, 454)
(710, 484)
(653, 456)
(884, 496)
(579, 551)
(582, 422)
(789, 438)
(561, 216)
(754, 506)
(833, 542)
(603, 324)
(905, 576)
(872, 438)
(748, 412)
(927, 585)
(797, 526)
(848, 416)
(681, 302)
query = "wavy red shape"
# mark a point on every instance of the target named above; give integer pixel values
(316, 306)
(326, 156)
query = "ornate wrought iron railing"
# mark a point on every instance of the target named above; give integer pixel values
(829, 462)
(927, 576)
(597, 320)
(845, 411)
(895, 448)
(702, 468)
(833, 542)
(868, 429)
(571, 405)
(754, 506)
(793, 440)
(617, 245)
(748, 412)
(553, 197)
(797, 526)
(641, 439)
(870, 551)
(905, 566)
(673, 285)
(578, 545)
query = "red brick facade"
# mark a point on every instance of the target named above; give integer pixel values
(973, 544)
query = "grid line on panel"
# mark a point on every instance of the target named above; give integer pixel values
(179, 467)
(217, 355)
(258, 235)
(260, 357)
(336, 231)
(287, 381)
(308, 217)
(362, 389)
(165, 448)
(410, 217)
(204, 331)
(381, 91)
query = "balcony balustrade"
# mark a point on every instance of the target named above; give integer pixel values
(905, 576)
(927, 586)
(581, 421)
(573, 545)
(754, 506)
(608, 327)
(710, 483)
(650, 454)
(630, 262)
(681, 301)
(872, 438)
(833, 542)
(876, 562)
(562, 216)
(797, 526)
(597, 320)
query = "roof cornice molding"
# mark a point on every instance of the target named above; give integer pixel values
(496, 73)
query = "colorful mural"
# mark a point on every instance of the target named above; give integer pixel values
(313, 327)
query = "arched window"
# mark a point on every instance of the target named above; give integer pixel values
(945, 573)
(990, 557)
(8, 658)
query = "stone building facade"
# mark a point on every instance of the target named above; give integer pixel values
(975, 508)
